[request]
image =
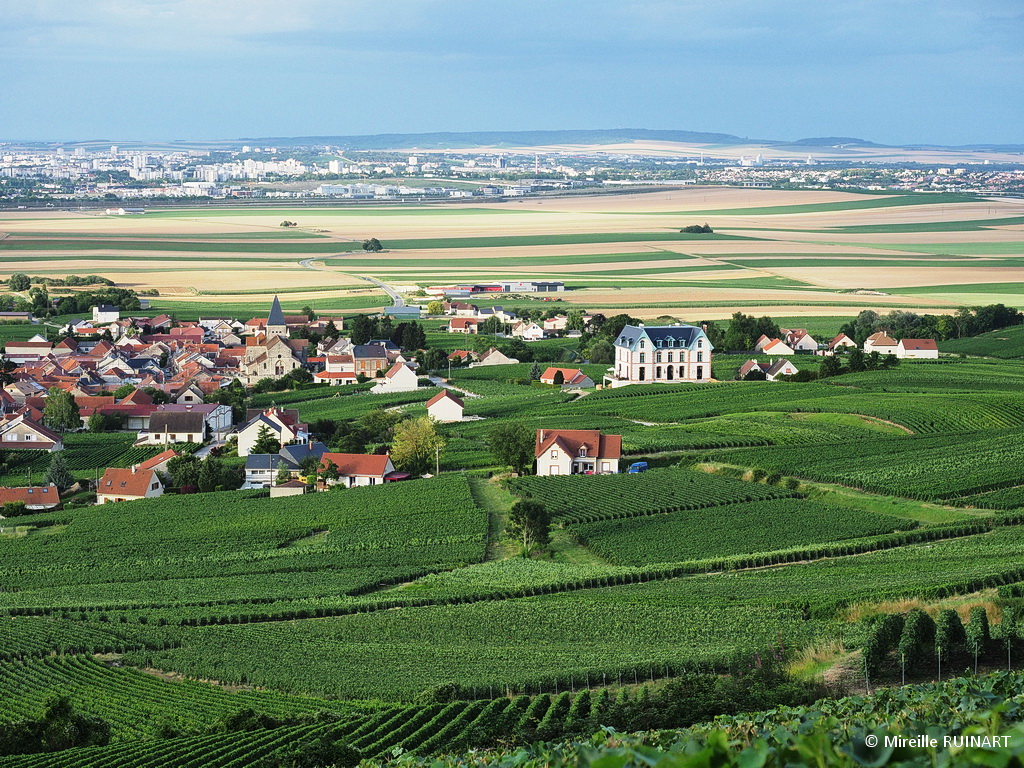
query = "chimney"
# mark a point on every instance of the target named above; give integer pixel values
(542, 436)
(134, 467)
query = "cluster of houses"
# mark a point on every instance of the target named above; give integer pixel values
(469, 318)
(798, 340)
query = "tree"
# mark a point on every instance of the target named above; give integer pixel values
(697, 229)
(857, 361)
(574, 320)
(361, 330)
(61, 411)
(602, 351)
(123, 391)
(266, 441)
(58, 473)
(435, 359)
(535, 372)
(184, 471)
(416, 444)
(329, 472)
(950, 637)
(60, 728)
(435, 307)
(331, 331)
(830, 366)
(372, 245)
(559, 378)
(283, 474)
(978, 635)
(512, 445)
(491, 325)
(1009, 630)
(209, 474)
(529, 521)
(19, 281)
(918, 631)
(309, 313)
(97, 422)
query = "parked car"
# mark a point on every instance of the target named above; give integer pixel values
(638, 466)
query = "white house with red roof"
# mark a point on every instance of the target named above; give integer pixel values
(338, 369)
(773, 346)
(283, 424)
(799, 339)
(841, 343)
(772, 369)
(445, 406)
(917, 349)
(463, 325)
(19, 432)
(572, 378)
(882, 343)
(399, 378)
(35, 499)
(128, 485)
(577, 452)
(355, 469)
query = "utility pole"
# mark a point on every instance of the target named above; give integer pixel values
(437, 459)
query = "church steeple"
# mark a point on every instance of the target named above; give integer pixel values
(276, 325)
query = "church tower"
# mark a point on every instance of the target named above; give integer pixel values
(275, 321)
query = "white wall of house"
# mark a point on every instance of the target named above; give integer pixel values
(445, 410)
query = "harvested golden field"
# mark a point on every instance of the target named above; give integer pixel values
(783, 248)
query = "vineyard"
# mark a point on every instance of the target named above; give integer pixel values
(829, 732)
(585, 498)
(401, 617)
(927, 467)
(84, 453)
(760, 526)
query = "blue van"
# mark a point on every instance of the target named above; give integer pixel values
(638, 466)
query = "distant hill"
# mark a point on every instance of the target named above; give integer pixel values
(447, 140)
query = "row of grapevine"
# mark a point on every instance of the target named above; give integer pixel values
(587, 498)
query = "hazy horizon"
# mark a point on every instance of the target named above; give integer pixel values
(942, 72)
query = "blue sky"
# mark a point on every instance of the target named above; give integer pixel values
(893, 71)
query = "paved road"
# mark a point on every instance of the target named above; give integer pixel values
(396, 300)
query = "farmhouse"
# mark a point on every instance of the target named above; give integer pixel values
(799, 340)
(494, 357)
(282, 423)
(841, 343)
(577, 452)
(18, 431)
(572, 378)
(462, 325)
(661, 353)
(445, 407)
(527, 331)
(166, 427)
(338, 370)
(917, 349)
(370, 358)
(36, 499)
(773, 346)
(399, 378)
(128, 485)
(881, 343)
(772, 370)
(359, 468)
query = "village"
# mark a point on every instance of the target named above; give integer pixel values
(176, 386)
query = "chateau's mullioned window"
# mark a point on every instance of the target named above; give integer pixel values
(642, 356)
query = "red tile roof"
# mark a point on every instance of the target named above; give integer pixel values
(157, 460)
(31, 496)
(366, 465)
(571, 441)
(920, 344)
(445, 393)
(124, 482)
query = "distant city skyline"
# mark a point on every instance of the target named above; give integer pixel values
(919, 71)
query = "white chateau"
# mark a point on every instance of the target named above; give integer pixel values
(660, 353)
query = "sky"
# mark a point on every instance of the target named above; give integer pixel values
(892, 71)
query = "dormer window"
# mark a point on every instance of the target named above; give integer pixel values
(659, 343)
(583, 452)
(700, 343)
(642, 344)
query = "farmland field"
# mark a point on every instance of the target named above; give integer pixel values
(823, 246)
(227, 627)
